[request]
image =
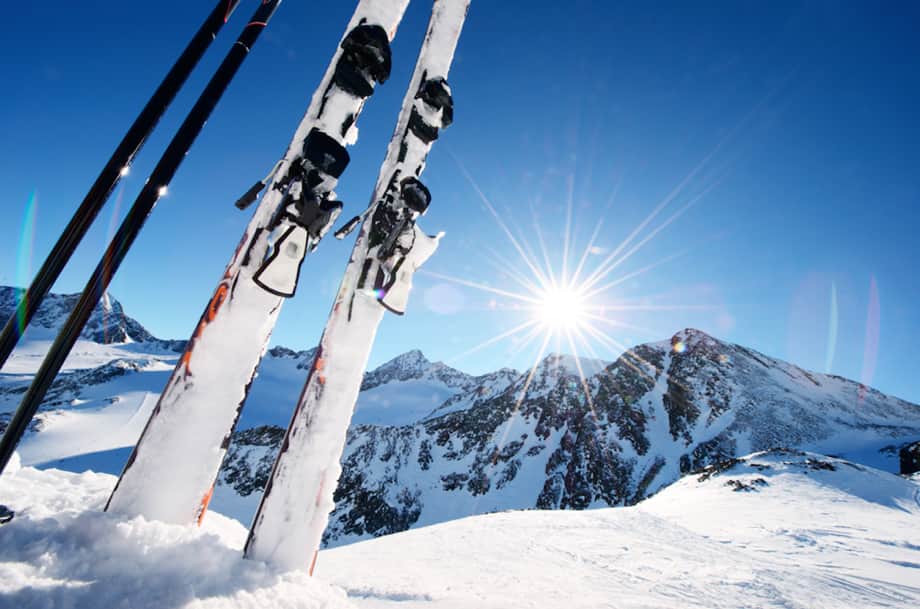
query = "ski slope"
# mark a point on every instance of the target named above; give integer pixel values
(809, 537)
(816, 532)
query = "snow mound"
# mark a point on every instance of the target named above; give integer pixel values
(61, 550)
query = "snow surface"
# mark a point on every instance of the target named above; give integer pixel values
(815, 533)
(62, 551)
(807, 539)
(107, 392)
(400, 402)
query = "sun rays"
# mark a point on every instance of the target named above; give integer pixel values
(573, 299)
(576, 299)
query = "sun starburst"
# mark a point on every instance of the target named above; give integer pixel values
(561, 309)
(574, 302)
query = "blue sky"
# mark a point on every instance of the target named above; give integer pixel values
(795, 121)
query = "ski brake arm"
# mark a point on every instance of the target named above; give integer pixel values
(253, 193)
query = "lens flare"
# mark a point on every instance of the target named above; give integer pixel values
(24, 258)
(873, 323)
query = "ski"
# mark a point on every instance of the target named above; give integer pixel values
(170, 475)
(294, 510)
(116, 167)
(154, 188)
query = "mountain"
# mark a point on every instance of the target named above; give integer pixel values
(403, 391)
(409, 388)
(430, 443)
(108, 323)
(660, 411)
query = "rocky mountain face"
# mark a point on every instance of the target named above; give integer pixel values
(660, 411)
(414, 366)
(430, 443)
(108, 323)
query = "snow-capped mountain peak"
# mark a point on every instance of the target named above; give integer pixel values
(108, 323)
(413, 365)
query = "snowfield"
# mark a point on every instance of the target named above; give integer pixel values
(62, 551)
(777, 529)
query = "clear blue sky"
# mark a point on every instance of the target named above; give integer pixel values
(801, 117)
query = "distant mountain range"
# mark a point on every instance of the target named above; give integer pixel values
(430, 443)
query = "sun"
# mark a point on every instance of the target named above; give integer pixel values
(561, 308)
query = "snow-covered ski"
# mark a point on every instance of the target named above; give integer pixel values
(298, 498)
(171, 472)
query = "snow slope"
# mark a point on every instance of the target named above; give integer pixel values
(96, 409)
(778, 529)
(808, 537)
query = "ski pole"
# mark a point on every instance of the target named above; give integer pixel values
(113, 171)
(154, 188)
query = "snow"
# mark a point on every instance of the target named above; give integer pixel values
(400, 402)
(841, 539)
(108, 392)
(61, 550)
(103, 427)
(808, 536)
(273, 394)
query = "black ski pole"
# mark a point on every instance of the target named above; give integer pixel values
(112, 172)
(118, 247)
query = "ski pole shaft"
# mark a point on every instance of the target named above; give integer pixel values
(114, 169)
(154, 188)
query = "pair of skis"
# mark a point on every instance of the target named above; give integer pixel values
(171, 473)
(295, 506)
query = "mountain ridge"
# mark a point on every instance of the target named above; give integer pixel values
(430, 443)
(108, 323)
(660, 411)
